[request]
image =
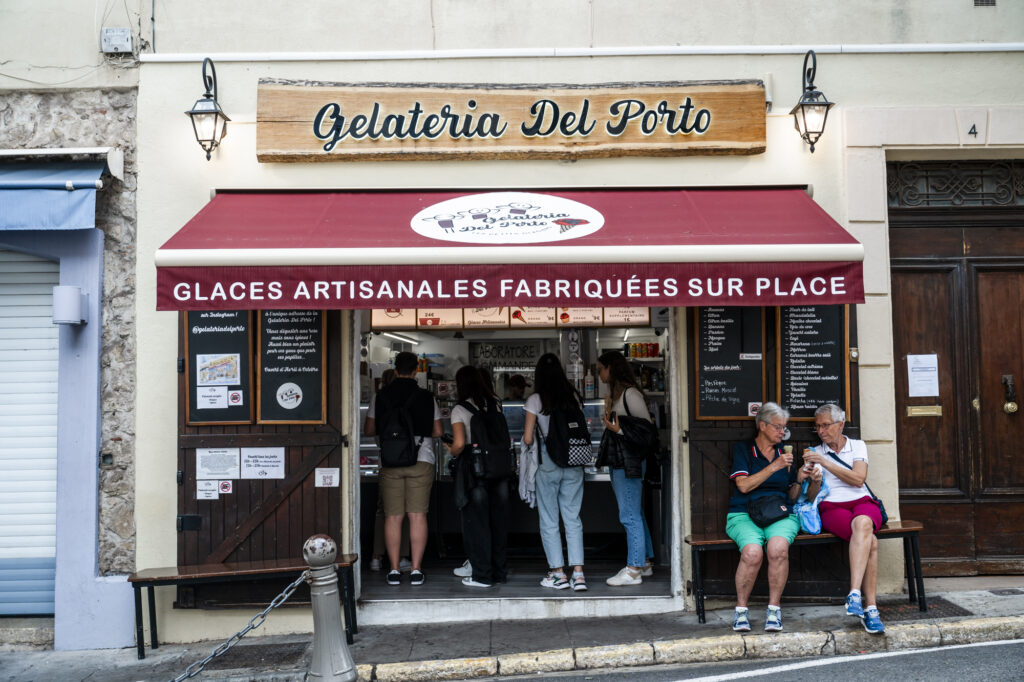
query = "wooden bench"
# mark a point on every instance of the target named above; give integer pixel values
(227, 572)
(908, 530)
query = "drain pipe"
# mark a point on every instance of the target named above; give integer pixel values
(331, 659)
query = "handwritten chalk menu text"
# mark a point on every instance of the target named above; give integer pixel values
(218, 366)
(813, 369)
(730, 362)
(291, 367)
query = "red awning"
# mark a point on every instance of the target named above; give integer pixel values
(444, 249)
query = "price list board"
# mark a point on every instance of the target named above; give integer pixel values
(291, 373)
(730, 363)
(814, 347)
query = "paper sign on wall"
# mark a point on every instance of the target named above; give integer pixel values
(328, 477)
(216, 463)
(262, 463)
(206, 490)
(923, 375)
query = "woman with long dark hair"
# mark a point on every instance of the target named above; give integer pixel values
(626, 398)
(559, 489)
(485, 516)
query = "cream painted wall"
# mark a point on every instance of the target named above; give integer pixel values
(176, 181)
(55, 44)
(194, 26)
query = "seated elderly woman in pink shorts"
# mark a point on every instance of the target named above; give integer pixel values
(849, 510)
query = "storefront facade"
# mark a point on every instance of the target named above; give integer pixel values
(918, 102)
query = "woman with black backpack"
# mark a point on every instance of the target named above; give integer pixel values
(559, 487)
(626, 399)
(485, 514)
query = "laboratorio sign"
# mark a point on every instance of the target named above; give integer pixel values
(650, 289)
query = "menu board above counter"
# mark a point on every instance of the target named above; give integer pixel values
(292, 379)
(439, 318)
(485, 318)
(580, 317)
(386, 319)
(813, 344)
(627, 317)
(730, 363)
(218, 366)
(532, 318)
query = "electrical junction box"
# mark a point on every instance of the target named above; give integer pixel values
(116, 40)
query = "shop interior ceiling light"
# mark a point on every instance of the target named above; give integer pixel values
(208, 120)
(811, 111)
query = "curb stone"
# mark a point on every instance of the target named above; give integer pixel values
(615, 655)
(724, 648)
(364, 672)
(425, 671)
(911, 636)
(981, 630)
(556, 660)
(784, 644)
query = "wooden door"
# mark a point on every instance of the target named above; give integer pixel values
(958, 292)
(260, 519)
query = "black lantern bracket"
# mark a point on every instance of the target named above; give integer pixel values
(811, 112)
(209, 122)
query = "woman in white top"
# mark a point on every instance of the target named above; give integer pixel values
(559, 489)
(849, 510)
(626, 398)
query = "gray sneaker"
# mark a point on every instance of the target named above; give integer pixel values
(773, 619)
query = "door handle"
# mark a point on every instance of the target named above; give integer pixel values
(1010, 401)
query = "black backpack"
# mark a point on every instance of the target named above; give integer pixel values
(399, 446)
(568, 439)
(491, 453)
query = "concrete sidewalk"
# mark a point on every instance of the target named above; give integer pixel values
(960, 611)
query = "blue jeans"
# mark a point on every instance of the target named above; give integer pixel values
(560, 491)
(629, 493)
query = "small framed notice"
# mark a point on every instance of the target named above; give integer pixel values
(485, 318)
(262, 463)
(328, 477)
(218, 361)
(393, 318)
(625, 317)
(216, 464)
(439, 318)
(580, 317)
(533, 318)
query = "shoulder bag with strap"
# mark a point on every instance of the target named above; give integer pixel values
(767, 509)
(567, 442)
(877, 500)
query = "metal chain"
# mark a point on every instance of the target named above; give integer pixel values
(254, 623)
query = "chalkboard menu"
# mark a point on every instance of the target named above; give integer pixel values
(291, 367)
(813, 350)
(730, 362)
(218, 366)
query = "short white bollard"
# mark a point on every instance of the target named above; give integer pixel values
(331, 658)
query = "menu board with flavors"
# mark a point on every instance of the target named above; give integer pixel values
(218, 366)
(813, 351)
(485, 318)
(580, 317)
(532, 318)
(439, 318)
(291, 367)
(627, 316)
(393, 318)
(730, 368)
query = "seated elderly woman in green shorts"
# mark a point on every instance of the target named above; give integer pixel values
(760, 468)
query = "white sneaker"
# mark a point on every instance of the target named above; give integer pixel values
(375, 564)
(469, 582)
(648, 570)
(554, 580)
(465, 570)
(625, 577)
(404, 565)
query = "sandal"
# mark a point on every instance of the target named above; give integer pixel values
(578, 583)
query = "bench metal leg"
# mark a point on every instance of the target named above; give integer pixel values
(140, 641)
(698, 584)
(154, 641)
(922, 602)
(908, 564)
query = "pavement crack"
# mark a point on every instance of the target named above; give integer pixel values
(830, 641)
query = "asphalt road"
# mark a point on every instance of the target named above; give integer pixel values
(984, 662)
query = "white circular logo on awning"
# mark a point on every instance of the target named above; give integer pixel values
(507, 218)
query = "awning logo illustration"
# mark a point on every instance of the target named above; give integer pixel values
(507, 218)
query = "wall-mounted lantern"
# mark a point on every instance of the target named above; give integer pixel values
(208, 120)
(811, 111)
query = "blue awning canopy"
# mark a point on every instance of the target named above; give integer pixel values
(49, 196)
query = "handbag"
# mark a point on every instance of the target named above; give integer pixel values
(609, 452)
(874, 498)
(807, 511)
(767, 509)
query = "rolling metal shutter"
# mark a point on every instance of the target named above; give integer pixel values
(28, 434)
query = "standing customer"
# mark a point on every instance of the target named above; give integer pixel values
(761, 468)
(406, 489)
(486, 514)
(559, 489)
(626, 398)
(849, 509)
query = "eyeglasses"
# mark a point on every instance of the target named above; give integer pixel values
(777, 427)
(819, 427)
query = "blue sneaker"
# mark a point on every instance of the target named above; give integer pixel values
(873, 622)
(773, 619)
(854, 606)
(741, 621)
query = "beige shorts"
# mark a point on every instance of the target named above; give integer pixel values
(406, 490)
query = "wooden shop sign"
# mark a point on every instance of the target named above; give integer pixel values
(329, 122)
